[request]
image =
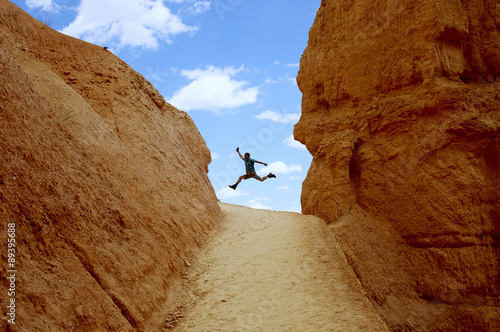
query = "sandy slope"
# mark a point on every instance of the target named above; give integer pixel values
(275, 271)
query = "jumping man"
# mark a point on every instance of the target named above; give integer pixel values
(250, 170)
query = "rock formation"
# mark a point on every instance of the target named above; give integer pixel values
(401, 112)
(105, 182)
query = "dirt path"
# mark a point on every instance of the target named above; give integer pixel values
(275, 271)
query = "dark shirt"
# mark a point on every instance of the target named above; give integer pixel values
(249, 165)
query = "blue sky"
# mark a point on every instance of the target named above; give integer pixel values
(230, 64)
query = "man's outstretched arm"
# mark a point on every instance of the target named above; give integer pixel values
(260, 162)
(238, 150)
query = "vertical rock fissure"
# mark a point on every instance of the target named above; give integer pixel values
(119, 304)
(355, 172)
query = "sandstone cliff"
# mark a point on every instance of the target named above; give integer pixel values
(401, 112)
(106, 184)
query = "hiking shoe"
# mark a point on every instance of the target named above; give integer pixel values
(271, 175)
(233, 186)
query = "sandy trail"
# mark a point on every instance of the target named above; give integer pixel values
(275, 271)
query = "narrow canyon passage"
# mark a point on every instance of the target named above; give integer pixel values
(275, 271)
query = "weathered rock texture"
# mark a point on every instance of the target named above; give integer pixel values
(401, 111)
(105, 182)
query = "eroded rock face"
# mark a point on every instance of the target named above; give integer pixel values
(401, 111)
(106, 184)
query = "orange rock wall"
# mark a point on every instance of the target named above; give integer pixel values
(106, 183)
(401, 112)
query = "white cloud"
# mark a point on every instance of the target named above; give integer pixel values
(255, 204)
(279, 167)
(291, 142)
(279, 117)
(213, 89)
(214, 155)
(292, 65)
(227, 192)
(284, 188)
(46, 5)
(125, 23)
(200, 7)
